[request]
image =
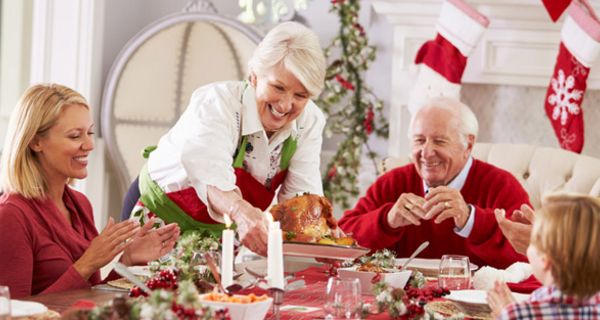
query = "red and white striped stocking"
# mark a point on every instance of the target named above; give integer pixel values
(443, 60)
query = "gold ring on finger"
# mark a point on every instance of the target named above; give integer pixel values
(447, 204)
(408, 206)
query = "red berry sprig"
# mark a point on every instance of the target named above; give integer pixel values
(166, 279)
(423, 295)
(184, 313)
(222, 314)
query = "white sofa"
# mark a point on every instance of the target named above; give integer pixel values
(541, 170)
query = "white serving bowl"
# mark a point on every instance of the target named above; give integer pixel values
(396, 279)
(241, 311)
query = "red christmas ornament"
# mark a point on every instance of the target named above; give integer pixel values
(332, 172)
(345, 83)
(368, 123)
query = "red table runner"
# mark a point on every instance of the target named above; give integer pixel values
(313, 295)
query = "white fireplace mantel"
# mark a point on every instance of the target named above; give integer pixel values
(519, 48)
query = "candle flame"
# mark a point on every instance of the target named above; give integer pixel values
(227, 220)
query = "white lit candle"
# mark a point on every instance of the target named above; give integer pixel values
(275, 255)
(227, 254)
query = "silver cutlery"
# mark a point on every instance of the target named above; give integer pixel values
(123, 271)
(414, 254)
(295, 285)
(262, 282)
(215, 272)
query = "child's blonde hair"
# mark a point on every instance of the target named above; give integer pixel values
(567, 230)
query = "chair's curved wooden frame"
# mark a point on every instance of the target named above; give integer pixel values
(108, 120)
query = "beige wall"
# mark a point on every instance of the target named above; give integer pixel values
(15, 46)
(516, 115)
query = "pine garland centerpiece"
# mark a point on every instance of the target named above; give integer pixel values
(401, 303)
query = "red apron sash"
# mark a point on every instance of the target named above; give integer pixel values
(252, 191)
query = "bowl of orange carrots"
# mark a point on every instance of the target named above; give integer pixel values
(241, 307)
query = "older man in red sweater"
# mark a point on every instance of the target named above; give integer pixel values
(444, 196)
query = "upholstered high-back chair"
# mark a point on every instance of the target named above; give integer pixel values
(151, 81)
(541, 170)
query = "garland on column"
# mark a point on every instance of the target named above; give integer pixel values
(353, 110)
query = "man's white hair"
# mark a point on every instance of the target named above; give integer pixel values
(298, 48)
(467, 121)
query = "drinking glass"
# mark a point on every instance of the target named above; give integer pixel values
(343, 299)
(454, 272)
(4, 303)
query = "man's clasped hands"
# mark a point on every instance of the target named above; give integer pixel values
(440, 203)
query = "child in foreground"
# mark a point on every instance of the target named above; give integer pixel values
(565, 257)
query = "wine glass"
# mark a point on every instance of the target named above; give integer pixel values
(454, 272)
(343, 299)
(4, 303)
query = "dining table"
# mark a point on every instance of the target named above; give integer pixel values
(294, 306)
(305, 302)
(61, 301)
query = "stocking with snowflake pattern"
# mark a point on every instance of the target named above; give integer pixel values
(443, 60)
(579, 48)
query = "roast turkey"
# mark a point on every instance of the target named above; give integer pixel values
(307, 218)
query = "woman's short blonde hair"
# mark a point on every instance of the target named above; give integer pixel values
(36, 112)
(298, 48)
(567, 230)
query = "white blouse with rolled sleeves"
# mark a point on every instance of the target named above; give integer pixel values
(198, 150)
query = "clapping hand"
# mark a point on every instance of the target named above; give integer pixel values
(518, 229)
(499, 297)
(150, 244)
(523, 215)
(106, 246)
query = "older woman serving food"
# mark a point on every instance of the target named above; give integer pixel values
(238, 142)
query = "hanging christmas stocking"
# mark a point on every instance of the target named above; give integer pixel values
(556, 8)
(443, 60)
(579, 48)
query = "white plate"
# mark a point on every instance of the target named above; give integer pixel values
(396, 279)
(473, 301)
(326, 251)
(429, 267)
(19, 308)
(143, 271)
(478, 296)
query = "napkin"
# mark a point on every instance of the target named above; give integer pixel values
(527, 286)
(21, 308)
(485, 277)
